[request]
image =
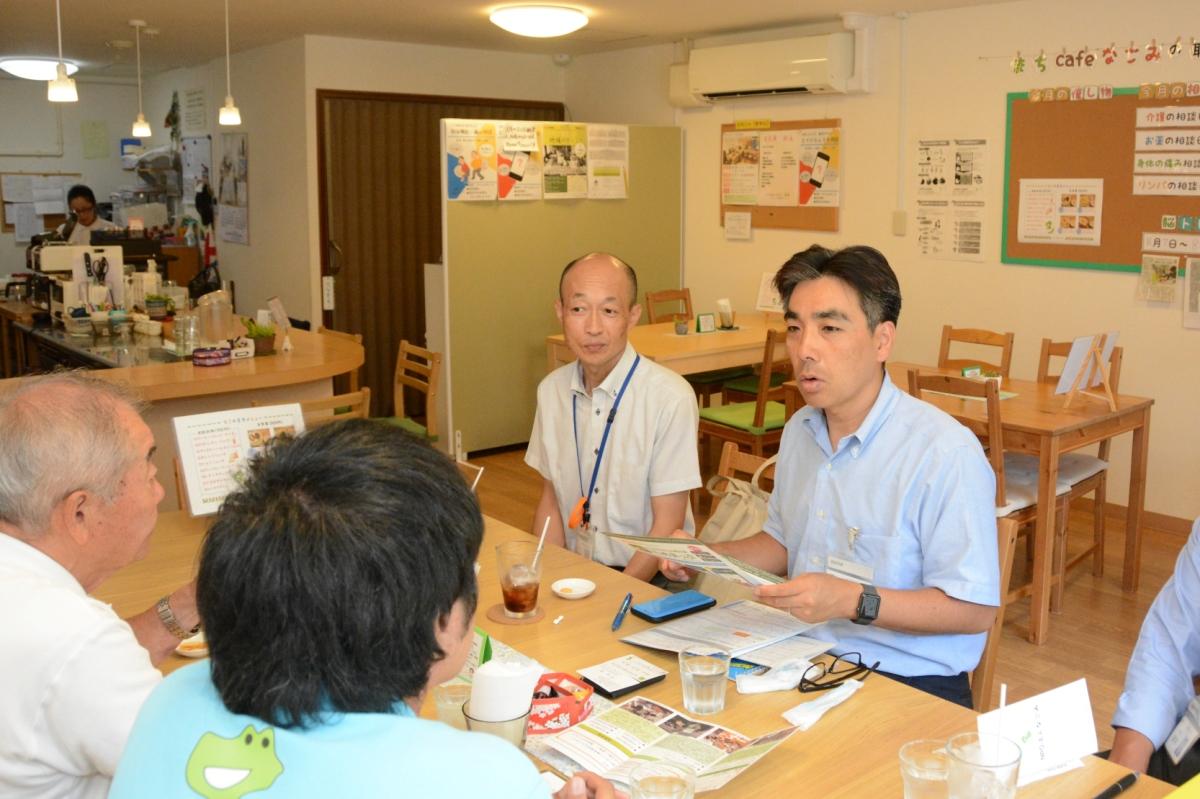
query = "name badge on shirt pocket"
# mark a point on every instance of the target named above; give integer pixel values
(849, 570)
(1186, 732)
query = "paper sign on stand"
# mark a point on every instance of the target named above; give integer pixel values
(1054, 730)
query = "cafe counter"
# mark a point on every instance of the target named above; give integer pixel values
(175, 387)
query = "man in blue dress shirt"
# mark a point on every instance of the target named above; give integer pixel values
(883, 511)
(1158, 715)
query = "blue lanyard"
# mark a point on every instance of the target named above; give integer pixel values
(612, 414)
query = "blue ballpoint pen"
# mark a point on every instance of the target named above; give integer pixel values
(620, 617)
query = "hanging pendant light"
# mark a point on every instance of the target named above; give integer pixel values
(229, 114)
(141, 128)
(62, 88)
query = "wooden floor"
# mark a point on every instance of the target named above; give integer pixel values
(1092, 638)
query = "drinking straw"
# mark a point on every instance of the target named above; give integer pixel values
(541, 543)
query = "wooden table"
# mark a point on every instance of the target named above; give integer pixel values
(695, 352)
(1036, 423)
(850, 752)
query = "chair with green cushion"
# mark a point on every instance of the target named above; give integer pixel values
(753, 425)
(706, 384)
(419, 369)
(745, 388)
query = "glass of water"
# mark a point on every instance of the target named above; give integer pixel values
(923, 765)
(983, 766)
(704, 671)
(661, 781)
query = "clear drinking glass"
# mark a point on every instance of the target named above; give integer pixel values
(449, 699)
(704, 671)
(519, 581)
(982, 766)
(511, 730)
(923, 765)
(662, 781)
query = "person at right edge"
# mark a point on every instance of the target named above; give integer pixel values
(883, 516)
(1158, 715)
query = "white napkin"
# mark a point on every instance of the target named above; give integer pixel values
(784, 677)
(806, 714)
(502, 690)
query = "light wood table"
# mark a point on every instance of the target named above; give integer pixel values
(1035, 422)
(695, 352)
(850, 752)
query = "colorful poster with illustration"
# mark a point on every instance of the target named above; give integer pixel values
(1060, 211)
(518, 161)
(820, 167)
(739, 167)
(470, 160)
(565, 161)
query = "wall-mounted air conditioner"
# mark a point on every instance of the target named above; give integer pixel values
(803, 65)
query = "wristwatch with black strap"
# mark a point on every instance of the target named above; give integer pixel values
(868, 606)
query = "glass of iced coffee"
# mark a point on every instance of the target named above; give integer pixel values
(519, 578)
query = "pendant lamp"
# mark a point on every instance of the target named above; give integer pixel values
(141, 128)
(229, 114)
(62, 88)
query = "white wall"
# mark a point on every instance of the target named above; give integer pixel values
(116, 106)
(592, 97)
(953, 91)
(268, 88)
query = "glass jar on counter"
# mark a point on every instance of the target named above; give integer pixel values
(187, 333)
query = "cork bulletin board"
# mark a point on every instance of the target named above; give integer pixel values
(1100, 139)
(796, 217)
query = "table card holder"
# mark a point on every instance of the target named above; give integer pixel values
(1088, 353)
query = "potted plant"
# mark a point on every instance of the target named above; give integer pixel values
(263, 337)
(158, 306)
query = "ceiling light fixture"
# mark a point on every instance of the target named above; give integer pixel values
(539, 21)
(62, 88)
(141, 128)
(35, 68)
(229, 114)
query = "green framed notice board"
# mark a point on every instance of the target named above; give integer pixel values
(1089, 139)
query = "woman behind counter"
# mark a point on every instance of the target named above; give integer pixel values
(84, 219)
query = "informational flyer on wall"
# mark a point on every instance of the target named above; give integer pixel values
(779, 168)
(1191, 294)
(608, 162)
(195, 155)
(951, 168)
(470, 160)
(564, 161)
(518, 161)
(739, 167)
(1060, 211)
(233, 189)
(951, 229)
(820, 167)
(1159, 278)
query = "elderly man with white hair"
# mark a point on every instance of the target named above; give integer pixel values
(78, 500)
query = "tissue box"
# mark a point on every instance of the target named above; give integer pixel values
(559, 701)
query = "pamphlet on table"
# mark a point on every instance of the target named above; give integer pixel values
(738, 628)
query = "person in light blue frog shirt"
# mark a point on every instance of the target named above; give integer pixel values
(337, 588)
(883, 514)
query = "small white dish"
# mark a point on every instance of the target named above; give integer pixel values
(573, 588)
(194, 647)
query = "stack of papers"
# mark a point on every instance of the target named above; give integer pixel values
(692, 554)
(739, 627)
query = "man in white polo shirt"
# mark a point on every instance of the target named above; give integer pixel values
(78, 501)
(615, 434)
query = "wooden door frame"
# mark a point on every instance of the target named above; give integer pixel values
(345, 94)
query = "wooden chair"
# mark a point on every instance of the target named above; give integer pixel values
(1016, 488)
(755, 425)
(1085, 474)
(352, 377)
(419, 369)
(972, 336)
(336, 408)
(706, 384)
(984, 674)
(557, 354)
(655, 298)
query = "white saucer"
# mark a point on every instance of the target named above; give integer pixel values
(573, 588)
(194, 647)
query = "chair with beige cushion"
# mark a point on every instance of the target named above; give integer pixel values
(965, 335)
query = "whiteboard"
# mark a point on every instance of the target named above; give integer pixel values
(30, 124)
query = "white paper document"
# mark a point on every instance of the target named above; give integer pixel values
(1054, 730)
(739, 627)
(692, 554)
(1060, 211)
(1075, 361)
(16, 188)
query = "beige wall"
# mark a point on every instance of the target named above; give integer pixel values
(116, 106)
(952, 91)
